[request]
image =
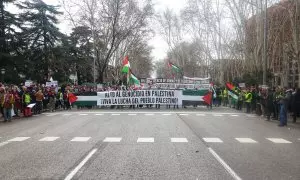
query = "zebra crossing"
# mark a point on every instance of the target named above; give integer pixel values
(215, 140)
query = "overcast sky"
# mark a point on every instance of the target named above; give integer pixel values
(160, 46)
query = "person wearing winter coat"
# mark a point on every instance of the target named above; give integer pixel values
(296, 105)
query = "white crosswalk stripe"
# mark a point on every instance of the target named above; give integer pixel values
(145, 140)
(18, 139)
(179, 140)
(234, 115)
(112, 139)
(212, 140)
(49, 139)
(279, 140)
(166, 114)
(246, 140)
(81, 139)
(218, 115)
(149, 114)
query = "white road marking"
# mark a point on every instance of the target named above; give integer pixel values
(139, 140)
(246, 140)
(112, 139)
(149, 114)
(82, 114)
(80, 165)
(278, 140)
(18, 139)
(183, 114)
(4, 143)
(179, 140)
(131, 114)
(217, 115)
(81, 139)
(200, 114)
(234, 115)
(166, 114)
(115, 114)
(212, 140)
(48, 139)
(224, 164)
(66, 114)
(99, 114)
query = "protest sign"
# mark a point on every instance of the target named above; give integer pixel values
(167, 97)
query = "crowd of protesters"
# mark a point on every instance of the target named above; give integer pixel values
(14, 100)
(271, 103)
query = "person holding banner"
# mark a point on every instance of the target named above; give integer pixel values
(7, 102)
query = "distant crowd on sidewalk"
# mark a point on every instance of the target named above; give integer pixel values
(272, 103)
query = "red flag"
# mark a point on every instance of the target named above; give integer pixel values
(207, 98)
(72, 98)
(230, 86)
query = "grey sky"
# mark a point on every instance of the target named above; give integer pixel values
(160, 46)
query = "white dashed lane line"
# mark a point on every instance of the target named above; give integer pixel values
(149, 114)
(200, 114)
(218, 115)
(67, 114)
(179, 140)
(131, 114)
(98, 114)
(49, 139)
(234, 115)
(18, 139)
(80, 139)
(246, 140)
(278, 140)
(212, 140)
(166, 114)
(145, 140)
(115, 114)
(183, 114)
(112, 139)
(83, 114)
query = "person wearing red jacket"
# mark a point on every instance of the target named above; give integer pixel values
(7, 102)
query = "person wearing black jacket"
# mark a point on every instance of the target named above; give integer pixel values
(296, 105)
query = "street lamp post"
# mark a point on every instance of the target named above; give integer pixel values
(2, 74)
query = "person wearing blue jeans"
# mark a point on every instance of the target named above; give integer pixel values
(283, 115)
(7, 114)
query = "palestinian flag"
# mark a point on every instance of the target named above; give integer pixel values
(232, 90)
(126, 65)
(133, 79)
(174, 68)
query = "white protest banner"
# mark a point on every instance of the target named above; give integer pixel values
(28, 83)
(52, 84)
(167, 97)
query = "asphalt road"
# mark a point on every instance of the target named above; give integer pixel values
(149, 144)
